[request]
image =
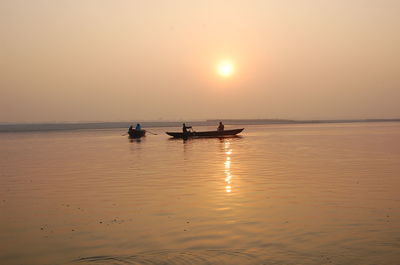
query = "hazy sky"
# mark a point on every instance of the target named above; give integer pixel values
(148, 60)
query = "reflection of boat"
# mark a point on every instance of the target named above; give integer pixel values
(205, 134)
(137, 133)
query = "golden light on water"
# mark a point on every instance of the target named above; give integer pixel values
(227, 166)
(225, 68)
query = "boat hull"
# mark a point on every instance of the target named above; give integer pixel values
(137, 134)
(225, 133)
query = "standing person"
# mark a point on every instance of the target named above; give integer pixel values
(138, 127)
(221, 127)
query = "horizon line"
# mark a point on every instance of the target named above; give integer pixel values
(201, 120)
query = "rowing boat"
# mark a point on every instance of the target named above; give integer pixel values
(194, 134)
(137, 133)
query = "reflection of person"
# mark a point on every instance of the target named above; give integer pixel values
(220, 126)
(184, 128)
(138, 127)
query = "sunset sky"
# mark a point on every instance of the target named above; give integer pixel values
(99, 60)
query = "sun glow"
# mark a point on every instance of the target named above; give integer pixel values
(225, 68)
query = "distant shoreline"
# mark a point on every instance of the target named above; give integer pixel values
(37, 127)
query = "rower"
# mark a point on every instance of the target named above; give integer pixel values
(220, 127)
(184, 128)
(138, 127)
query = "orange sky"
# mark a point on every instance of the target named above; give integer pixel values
(149, 60)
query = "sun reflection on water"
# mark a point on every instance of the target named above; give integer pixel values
(227, 167)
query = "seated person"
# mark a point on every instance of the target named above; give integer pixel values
(184, 128)
(138, 127)
(220, 126)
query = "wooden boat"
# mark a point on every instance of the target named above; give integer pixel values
(193, 134)
(137, 133)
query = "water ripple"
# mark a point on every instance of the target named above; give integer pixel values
(176, 257)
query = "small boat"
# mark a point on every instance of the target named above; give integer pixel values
(193, 134)
(137, 133)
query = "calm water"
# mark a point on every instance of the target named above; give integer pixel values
(281, 194)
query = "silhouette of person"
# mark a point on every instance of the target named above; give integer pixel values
(184, 128)
(220, 126)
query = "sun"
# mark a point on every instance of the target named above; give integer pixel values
(225, 68)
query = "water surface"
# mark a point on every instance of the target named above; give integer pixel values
(280, 194)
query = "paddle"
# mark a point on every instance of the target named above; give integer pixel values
(146, 131)
(151, 132)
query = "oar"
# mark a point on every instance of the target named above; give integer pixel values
(151, 132)
(124, 134)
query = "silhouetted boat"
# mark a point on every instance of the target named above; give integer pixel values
(136, 133)
(205, 134)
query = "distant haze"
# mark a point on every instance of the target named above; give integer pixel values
(99, 60)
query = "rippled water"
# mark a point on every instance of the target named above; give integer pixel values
(281, 194)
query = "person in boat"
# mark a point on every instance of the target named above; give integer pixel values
(130, 129)
(138, 127)
(220, 127)
(185, 128)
